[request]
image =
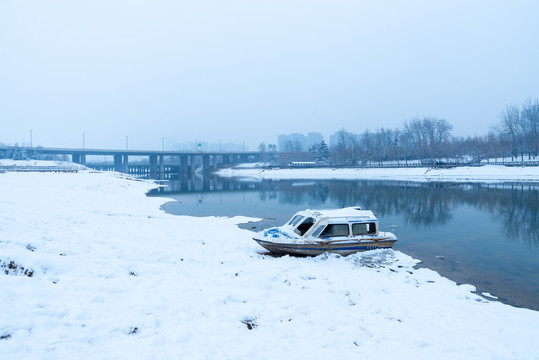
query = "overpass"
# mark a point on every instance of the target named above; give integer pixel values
(179, 161)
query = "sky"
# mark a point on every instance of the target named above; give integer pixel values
(247, 71)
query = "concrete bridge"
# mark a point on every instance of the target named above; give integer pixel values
(178, 161)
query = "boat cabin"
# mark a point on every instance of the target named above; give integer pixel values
(324, 224)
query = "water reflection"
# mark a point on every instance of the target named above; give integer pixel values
(421, 205)
(517, 208)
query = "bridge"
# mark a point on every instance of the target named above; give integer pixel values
(181, 162)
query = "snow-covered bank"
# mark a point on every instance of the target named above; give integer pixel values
(487, 173)
(115, 277)
(39, 163)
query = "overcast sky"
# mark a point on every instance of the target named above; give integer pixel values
(235, 71)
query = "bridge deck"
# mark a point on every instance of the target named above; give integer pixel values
(79, 151)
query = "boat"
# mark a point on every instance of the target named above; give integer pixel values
(314, 232)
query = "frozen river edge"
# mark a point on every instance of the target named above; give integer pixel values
(112, 276)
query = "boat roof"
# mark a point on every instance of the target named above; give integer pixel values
(349, 213)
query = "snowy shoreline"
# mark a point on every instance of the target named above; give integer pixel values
(486, 173)
(113, 276)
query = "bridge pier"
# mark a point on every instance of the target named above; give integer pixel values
(118, 163)
(153, 166)
(155, 170)
(205, 162)
(121, 163)
(187, 162)
(161, 167)
(126, 164)
(184, 164)
(79, 158)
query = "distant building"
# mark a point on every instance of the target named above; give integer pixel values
(334, 140)
(298, 142)
(314, 138)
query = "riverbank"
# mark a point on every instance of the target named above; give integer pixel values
(486, 173)
(39, 163)
(113, 276)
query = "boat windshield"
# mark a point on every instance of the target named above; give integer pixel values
(305, 226)
(317, 231)
(295, 220)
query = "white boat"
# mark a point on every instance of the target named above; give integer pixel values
(314, 232)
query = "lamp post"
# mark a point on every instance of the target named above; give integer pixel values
(83, 140)
(31, 144)
(163, 140)
(127, 143)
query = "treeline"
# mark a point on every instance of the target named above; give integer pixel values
(518, 129)
(26, 153)
(429, 140)
(20, 153)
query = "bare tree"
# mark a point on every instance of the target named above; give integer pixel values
(511, 129)
(346, 151)
(415, 133)
(529, 118)
(441, 136)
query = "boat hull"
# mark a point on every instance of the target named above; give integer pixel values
(314, 249)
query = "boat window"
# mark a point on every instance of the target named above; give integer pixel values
(295, 220)
(305, 225)
(364, 229)
(317, 231)
(333, 230)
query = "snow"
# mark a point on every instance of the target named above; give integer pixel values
(114, 277)
(489, 295)
(27, 163)
(486, 173)
(344, 213)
